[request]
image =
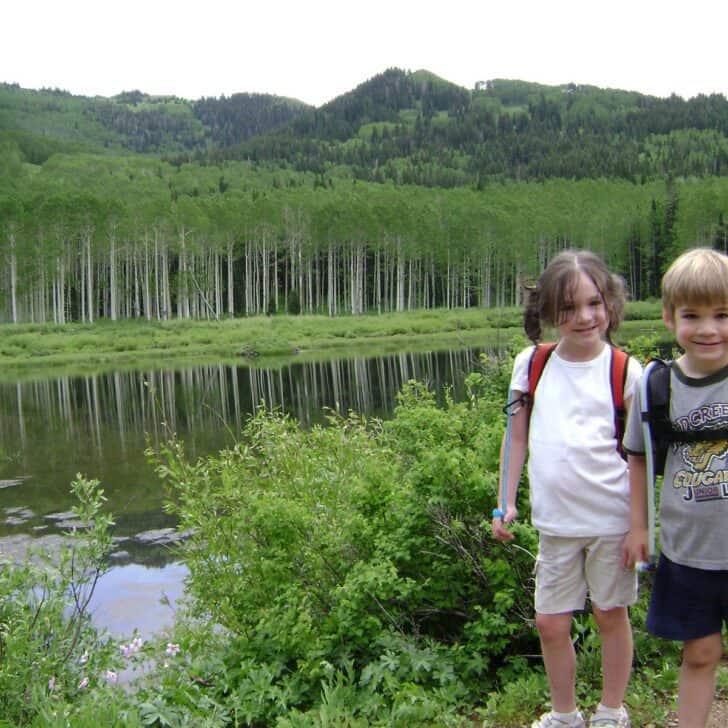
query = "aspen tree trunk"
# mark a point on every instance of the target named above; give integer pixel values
(136, 265)
(301, 291)
(146, 273)
(157, 282)
(265, 275)
(400, 276)
(256, 278)
(249, 277)
(183, 301)
(330, 280)
(60, 313)
(90, 309)
(13, 281)
(112, 278)
(352, 281)
(447, 281)
(218, 285)
(276, 287)
(230, 282)
(166, 292)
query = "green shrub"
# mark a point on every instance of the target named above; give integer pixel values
(50, 653)
(356, 559)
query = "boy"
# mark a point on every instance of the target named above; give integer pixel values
(689, 600)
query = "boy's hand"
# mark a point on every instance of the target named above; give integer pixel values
(500, 532)
(634, 548)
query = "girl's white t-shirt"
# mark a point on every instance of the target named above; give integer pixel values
(578, 481)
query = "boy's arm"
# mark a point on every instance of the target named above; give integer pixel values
(517, 458)
(634, 548)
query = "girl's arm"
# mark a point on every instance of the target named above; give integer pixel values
(634, 548)
(517, 457)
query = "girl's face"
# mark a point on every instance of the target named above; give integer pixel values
(583, 322)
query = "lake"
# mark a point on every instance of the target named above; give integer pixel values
(101, 425)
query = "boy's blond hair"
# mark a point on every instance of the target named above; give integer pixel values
(698, 277)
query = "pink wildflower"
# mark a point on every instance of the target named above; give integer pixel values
(52, 684)
(172, 648)
(83, 684)
(111, 676)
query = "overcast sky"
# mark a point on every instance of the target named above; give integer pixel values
(315, 50)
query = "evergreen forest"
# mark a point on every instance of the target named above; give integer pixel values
(407, 192)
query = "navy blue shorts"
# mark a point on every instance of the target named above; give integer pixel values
(687, 603)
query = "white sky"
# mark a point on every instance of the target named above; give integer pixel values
(315, 50)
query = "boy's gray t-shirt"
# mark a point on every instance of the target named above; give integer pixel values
(694, 497)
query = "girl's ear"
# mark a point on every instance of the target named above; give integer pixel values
(668, 319)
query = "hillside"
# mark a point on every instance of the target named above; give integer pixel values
(415, 128)
(48, 121)
(400, 126)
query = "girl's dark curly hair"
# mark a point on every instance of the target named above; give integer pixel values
(554, 290)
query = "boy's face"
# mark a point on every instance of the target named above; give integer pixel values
(702, 332)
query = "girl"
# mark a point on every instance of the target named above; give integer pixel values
(578, 480)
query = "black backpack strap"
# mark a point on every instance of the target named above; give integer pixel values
(662, 431)
(658, 411)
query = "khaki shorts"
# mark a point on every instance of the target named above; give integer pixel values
(567, 569)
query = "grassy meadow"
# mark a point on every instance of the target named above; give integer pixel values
(34, 350)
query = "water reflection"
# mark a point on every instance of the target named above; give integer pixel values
(100, 426)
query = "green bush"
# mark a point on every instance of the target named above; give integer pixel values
(50, 653)
(355, 559)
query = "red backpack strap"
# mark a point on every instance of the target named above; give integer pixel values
(618, 380)
(539, 357)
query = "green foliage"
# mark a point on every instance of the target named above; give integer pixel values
(351, 565)
(50, 654)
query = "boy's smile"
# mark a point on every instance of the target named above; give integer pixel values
(702, 333)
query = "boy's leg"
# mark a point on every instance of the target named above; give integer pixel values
(697, 679)
(616, 638)
(554, 631)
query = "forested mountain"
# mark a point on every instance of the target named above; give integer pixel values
(414, 128)
(53, 120)
(410, 128)
(407, 192)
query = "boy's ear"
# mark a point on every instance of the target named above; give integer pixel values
(668, 319)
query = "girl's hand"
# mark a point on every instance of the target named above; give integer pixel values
(500, 532)
(634, 548)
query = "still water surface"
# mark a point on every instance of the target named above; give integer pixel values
(101, 425)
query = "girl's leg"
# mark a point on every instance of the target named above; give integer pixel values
(559, 658)
(697, 679)
(616, 637)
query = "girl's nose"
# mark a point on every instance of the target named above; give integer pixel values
(583, 313)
